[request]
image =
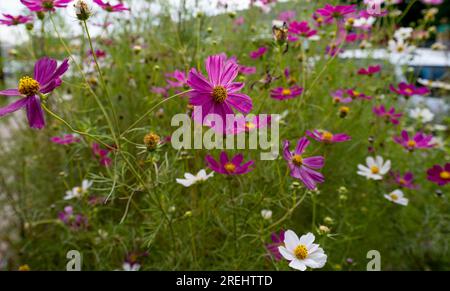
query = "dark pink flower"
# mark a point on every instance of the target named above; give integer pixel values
(15, 20)
(304, 168)
(371, 70)
(45, 5)
(160, 91)
(277, 241)
(281, 93)
(247, 70)
(439, 174)
(219, 93)
(47, 77)
(419, 141)
(176, 79)
(107, 6)
(404, 181)
(388, 115)
(333, 49)
(65, 139)
(99, 54)
(239, 21)
(229, 167)
(102, 155)
(338, 12)
(258, 53)
(327, 137)
(287, 16)
(409, 90)
(302, 29)
(74, 221)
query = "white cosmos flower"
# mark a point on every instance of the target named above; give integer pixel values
(364, 22)
(400, 47)
(403, 33)
(397, 197)
(78, 192)
(302, 252)
(190, 179)
(422, 114)
(266, 214)
(375, 169)
(131, 267)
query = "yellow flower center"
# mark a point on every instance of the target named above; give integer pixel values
(230, 167)
(394, 196)
(409, 90)
(28, 86)
(250, 125)
(411, 144)
(319, 20)
(356, 93)
(219, 94)
(400, 48)
(374, 169)
(286, 92)
(445, 175)
(402, 181)
(297, 160)
(327, 136)
(301, 252)
(344, 109)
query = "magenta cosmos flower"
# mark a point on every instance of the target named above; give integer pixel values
(281, 93)
(219, 93)
(328, 137)
(419, 141)
(371, 70)
(339, 97)
(404, 181)
(357, 95)
(176, 79)
(74, 221)
(108, 7)
(303, 168)
(338, 12)
(433, 2)
(15, 20)
(258, 53)
(247, 70)
(102, 155)
(388, 115)
(287, 16)
(300, 29)
(65, 139)
(439, 175)
(45, 5)
(277, 241)
(229, 167)
(47, 77)
(408, 90)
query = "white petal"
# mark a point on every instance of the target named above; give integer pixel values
(291, 240)
(286, 254)
(185, 182)
(297, 264)
(370, 162)
(189, 176)
(386, 167)
(399, 193)
(403, 201)
(379, 161)
(307, 239)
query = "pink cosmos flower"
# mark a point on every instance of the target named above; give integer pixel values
(409, 90)
(102, 155)
(74, 221)
(15, 20)
(100, 54)
(390, 115)
(287, 16)
(160, 91)
(419, 141)
(249, 124)
(108, 7)
(65, 139)
(47, 77)
(338, 12)
(176, 79)
(439, 174)
(219, 93)
(258, 53)
(239, 21)
(339, 97)
(303, 168)
(229, 167)
(302, 29)
(327, 137)
(45, 5)
(433, 2)
(356, 94)
(333, 49)
(277, 241)
(371, 70)
(281, 93)
(247, 70)
(404, 181)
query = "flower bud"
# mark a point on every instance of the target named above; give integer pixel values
(82, 10)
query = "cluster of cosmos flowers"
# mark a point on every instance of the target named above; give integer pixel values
(217, 92)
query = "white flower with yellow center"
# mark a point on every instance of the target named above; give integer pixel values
(79, 191)
(302, 252)
(375, 169)
(422, 114)
(397, 197)
(191, 179)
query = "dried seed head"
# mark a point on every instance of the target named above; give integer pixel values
(151, 141)
(82, 10)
